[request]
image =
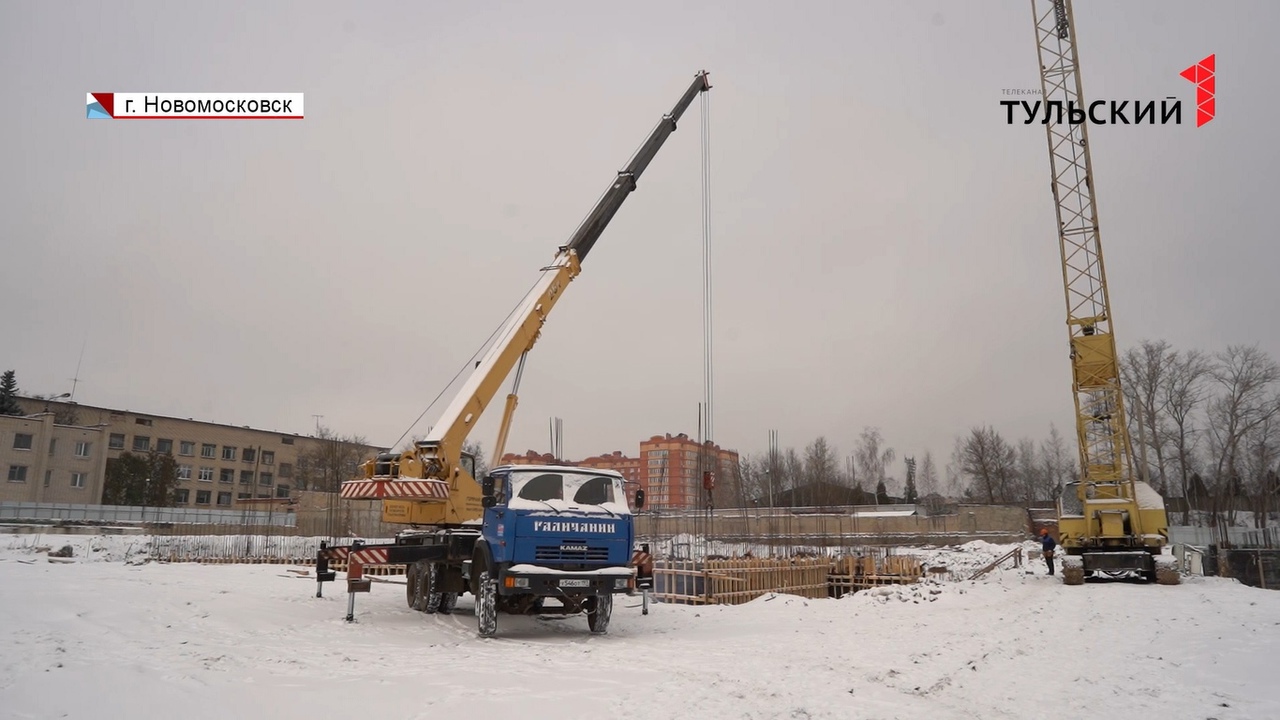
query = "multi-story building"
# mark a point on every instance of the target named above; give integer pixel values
(218, 464)
(44, 461)
(630, 467)
(670, 469)
(674, 467)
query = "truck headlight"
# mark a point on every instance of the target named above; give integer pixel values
(622, 582)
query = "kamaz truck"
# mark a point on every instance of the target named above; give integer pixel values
(523, 534)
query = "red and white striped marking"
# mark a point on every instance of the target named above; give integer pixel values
(413, 489)
(366, 556)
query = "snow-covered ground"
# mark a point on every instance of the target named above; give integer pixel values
(123, 638)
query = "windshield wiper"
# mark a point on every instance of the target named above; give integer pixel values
(553, 507)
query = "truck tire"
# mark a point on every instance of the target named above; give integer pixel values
(448, 601)
(431, 582)
(599, 610)
(486, 604)
(411, 580)
(422, 596)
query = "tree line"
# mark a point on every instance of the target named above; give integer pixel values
(1206, 426)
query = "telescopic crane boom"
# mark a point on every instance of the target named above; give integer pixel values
(434, 483)
(1108, 521)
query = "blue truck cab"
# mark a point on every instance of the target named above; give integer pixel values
(552, 531)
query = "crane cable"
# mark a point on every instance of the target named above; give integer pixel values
(707, 374)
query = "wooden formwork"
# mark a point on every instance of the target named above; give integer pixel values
(741, 580)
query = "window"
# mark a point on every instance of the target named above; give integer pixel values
(224, 498)
(268, 457)
(542, 487)
(206, 474)
(22, 441)
(596, 491)
(53, 443)
(18, 473)
(282, 491)
(143, 421)
(246, 477)
(184, 472)
(286, 470)
(228, 452)
(141, 443)
(82, 449)
(208, 451)
(286, 440)
(202, 497)
(226, 475)
(182, 496)
(249, 454)
(164, 446)
(48, 477)
(244, 496)
(116, 442)
(186, 447)
(264, 478)
(77, 480)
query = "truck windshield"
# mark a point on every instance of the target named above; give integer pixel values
(564, 491)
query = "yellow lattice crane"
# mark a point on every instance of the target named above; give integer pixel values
(1110, 522)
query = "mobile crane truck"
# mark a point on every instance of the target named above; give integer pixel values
(524, 533)
(1109, 522)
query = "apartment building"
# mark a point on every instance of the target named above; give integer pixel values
(47, 462)
(218, 464)
(674, 466)
(669, 468)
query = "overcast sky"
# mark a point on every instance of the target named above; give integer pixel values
(883, 242)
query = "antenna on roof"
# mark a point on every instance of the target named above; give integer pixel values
(76, 380)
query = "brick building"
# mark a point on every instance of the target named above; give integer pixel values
(44, 461)
(667, 468)
(673, 469)
(218, 464)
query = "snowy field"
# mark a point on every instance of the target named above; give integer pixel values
(108, 635)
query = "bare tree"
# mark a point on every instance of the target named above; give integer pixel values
(1145, 372)
(1185, 390)
(873, 457)
(1246, 375)
(1056, 464)
(928, 476)
(989, 461)
(1029, 471)
(329, 459)
(1262, 456)
(821, 471)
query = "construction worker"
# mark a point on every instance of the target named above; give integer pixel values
(1047, 544)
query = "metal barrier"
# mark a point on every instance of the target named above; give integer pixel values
(130, 514)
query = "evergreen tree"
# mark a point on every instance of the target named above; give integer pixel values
(911, 496)
(9, 394)
(882, 494)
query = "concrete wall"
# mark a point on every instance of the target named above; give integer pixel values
(969, 522)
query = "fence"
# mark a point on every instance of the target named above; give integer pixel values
(127, 514)
(741, 580)
(1235, 536)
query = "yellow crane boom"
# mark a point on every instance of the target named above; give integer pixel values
(434, 482)
(1108, 521)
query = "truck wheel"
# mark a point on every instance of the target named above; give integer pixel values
(411, 580)
(599, 610)
(487, 604)
(422, 597)
(448, 601)
(431, 581)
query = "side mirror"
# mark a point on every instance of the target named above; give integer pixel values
(486, 490)
(639, 499)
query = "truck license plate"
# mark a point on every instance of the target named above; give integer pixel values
(570, 582)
